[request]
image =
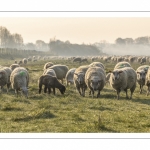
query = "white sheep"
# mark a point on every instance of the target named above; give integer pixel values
(123, 79)
(95, 79)
(13, 66)
(60, 70)
(122, 65)
(141, 75)
(19, 79)
(97, 64)
(79, 82)
(69, 76)
(3, 78)
(147, 81)
(47, 65)
(50, 72)
(24, 60)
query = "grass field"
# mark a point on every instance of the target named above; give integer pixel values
(71, 113)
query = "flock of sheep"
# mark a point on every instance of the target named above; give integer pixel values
(92, 76)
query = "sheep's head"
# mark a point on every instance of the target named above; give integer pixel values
(116, 74)
(141, 75)
(62, 89)
(80, 77)
(25, 91)
(95, 83)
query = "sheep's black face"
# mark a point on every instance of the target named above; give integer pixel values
(62, 89)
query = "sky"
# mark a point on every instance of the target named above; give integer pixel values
(77, 29)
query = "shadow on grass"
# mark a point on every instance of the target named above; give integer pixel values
(142, 101)
(101, 108)
(9, 108)
(43, 115)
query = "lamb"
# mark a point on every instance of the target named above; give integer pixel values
(123, 79)
(97, 64)
(47, 65)
(69, 76)
(13, 66)
(60, 70)
(141, 74)
(24, 60)
(50, 82)
(122, 65)
(95, 79)
(19, 79)
(79, 76)
(50, 72)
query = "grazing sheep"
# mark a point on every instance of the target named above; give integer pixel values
(95, 79)
(19, 79)
(69, 76)
(50, 82)
(60, 70)
(79, 76)
(13, 66)
(143, 60)
(3, 78)
(123, 79)
(20, 62)
(29, 59)
(47, 65)
(15, 61)
(108, 77)
(77, 59)
(122, 65)
(147, 81)
(84, 60)
(141, 74)
(97, 64)
(50, 72)
(24, 60)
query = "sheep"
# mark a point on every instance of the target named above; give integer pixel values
(69, 76)
(95, 80)
(29, 59)
(79, 76)
(20, 62)
(3, 78)
(19, 79)
(97, 64)
(147, 81)
(60, 70)
(50, 72)
(122, 65)
(108, 77)
(24, 60)
(123, 79)
(47, 65)
(50, 82)
(15, 62)
(84, 60)
(141, 74)
(143, 60)
(13, 66)
(77, 59)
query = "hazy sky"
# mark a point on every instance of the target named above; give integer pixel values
(77, 30)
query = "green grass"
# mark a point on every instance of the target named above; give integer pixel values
(71, 113)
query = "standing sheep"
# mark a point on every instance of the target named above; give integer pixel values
(3, 78)
(147, 81)
(77, 59)
(13, 66)
(50, 82)
(122, 65)
(97, 64)
(79, 82)
(95, 79)
(123, 79)
(69, 76)
(141, 74)
(24, 60)
(19, 79)
(60, 70)
(47, 65)
(50, 72)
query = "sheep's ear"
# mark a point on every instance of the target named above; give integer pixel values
(137, 72)
(120, 71)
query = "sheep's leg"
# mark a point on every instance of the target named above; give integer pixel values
(132, 90)
(92, 93)
(54, 91)
(17, 92)
(141, 89)
(45, 89)
(98, 94)
(148, 90)
(118, 94)
(49, 90)
(40, 89)
(8, 86)
(78, 88)
(127, 97)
